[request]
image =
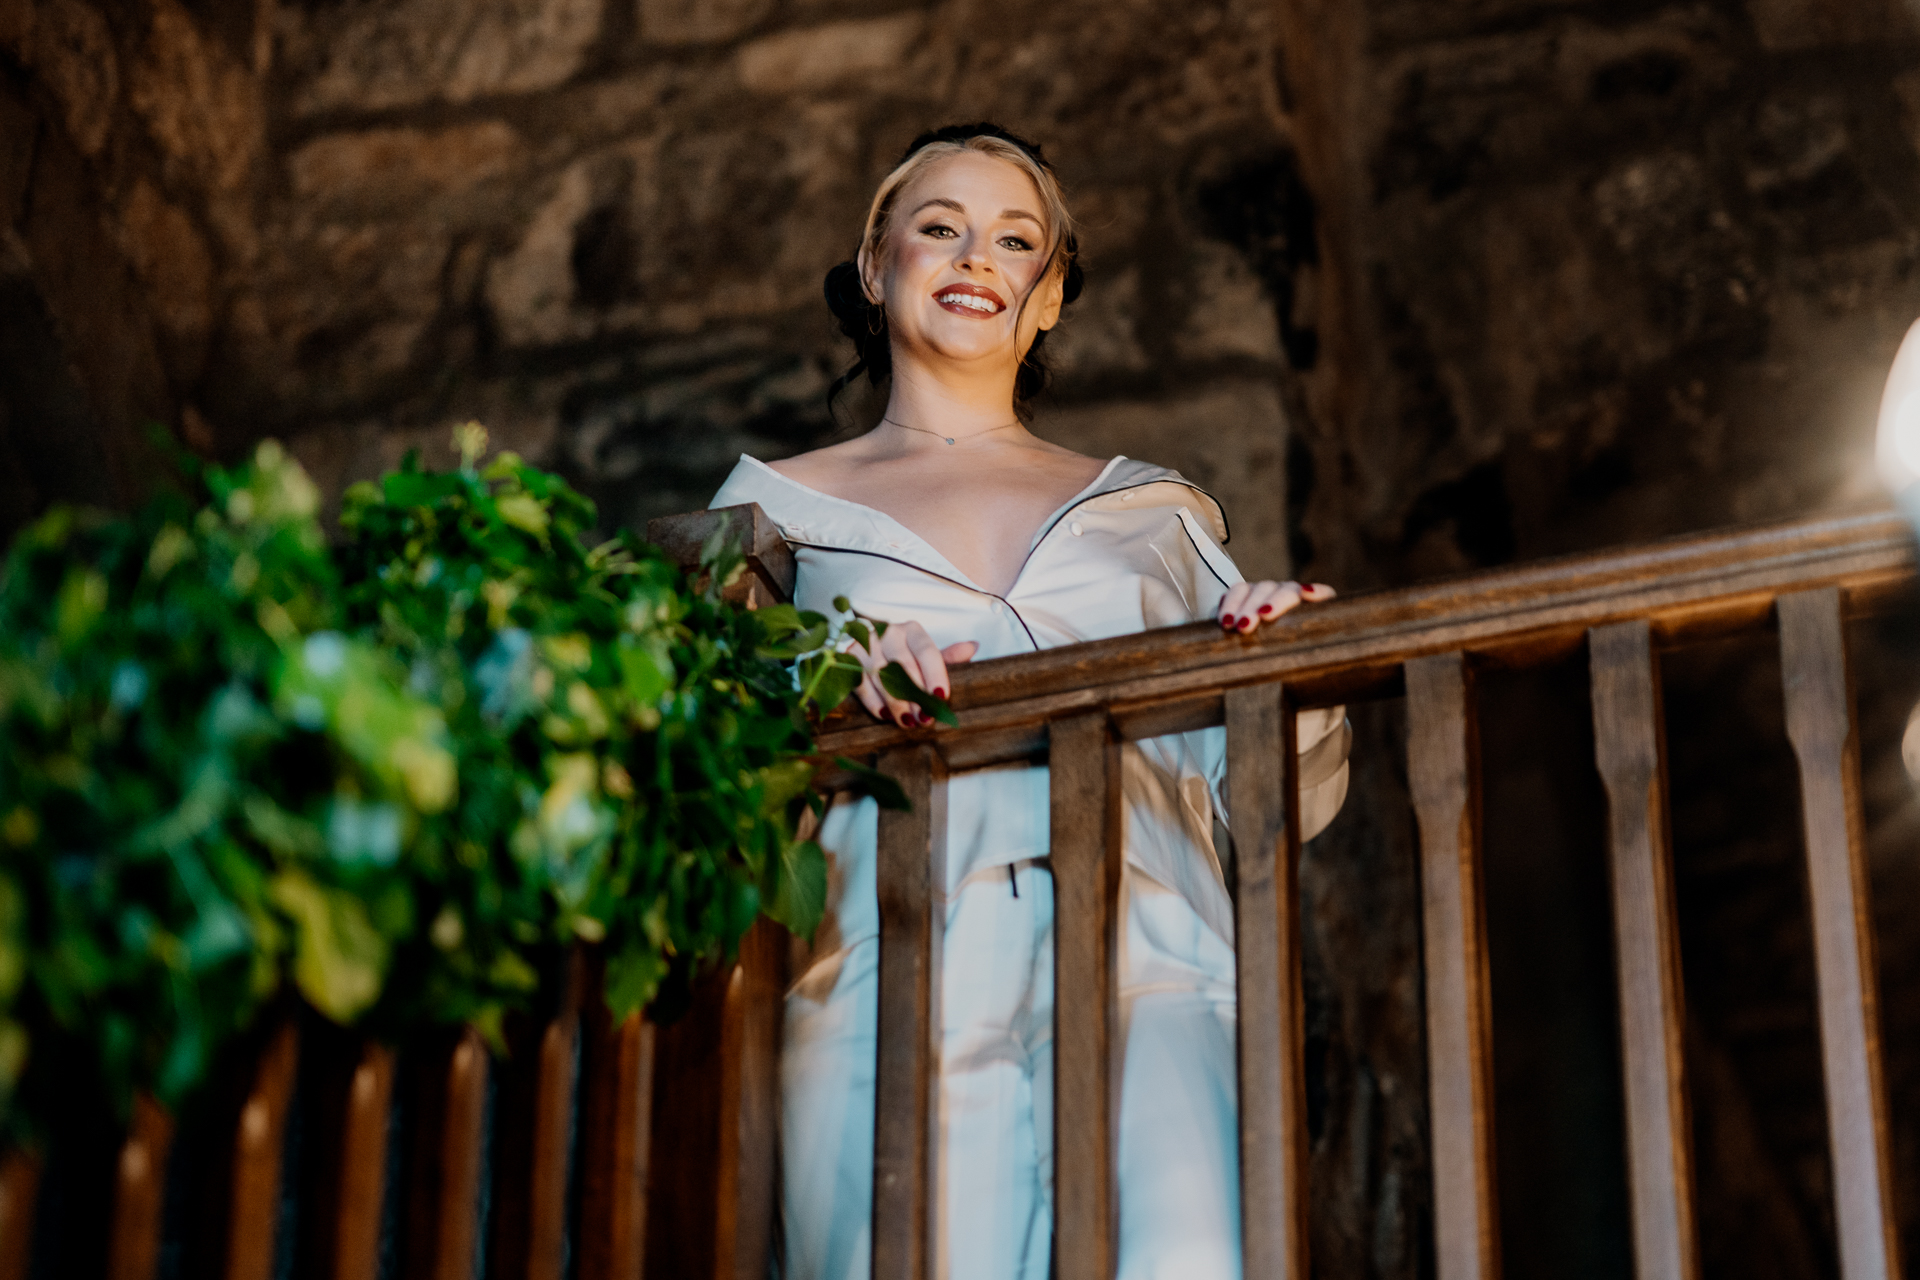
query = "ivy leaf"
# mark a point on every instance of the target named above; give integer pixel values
(524, 512)
(797, 896)
(633, 978)
(869, 781)
(339, 957)
(832, 677)
(895, 680)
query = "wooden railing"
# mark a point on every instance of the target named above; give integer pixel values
(633, 1149)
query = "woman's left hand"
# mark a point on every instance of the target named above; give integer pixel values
(1248, 604)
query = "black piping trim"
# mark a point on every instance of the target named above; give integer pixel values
(1125, 488)
(964, 586)
(1203, 557)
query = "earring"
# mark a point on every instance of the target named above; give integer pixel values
(876, 319)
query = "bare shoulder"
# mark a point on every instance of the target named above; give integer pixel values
(1068, 463)
(826, 463)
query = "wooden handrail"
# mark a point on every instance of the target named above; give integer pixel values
(1169, 680)
(698, 1102)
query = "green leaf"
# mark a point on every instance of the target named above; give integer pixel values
(869, 781)
(339, 958)
(895, 680)
(797, 896)
(633, 976)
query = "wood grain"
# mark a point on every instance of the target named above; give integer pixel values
(770, 567)
(19, 1195)
(750, 1102)
(1261, 781)
(912, 878)
(1084, 765)
(139, 1193)
(1355, 646)
(1820, 724)
(532, 1126)
(443, 1201)
(352, 1205)
(259, 1142)
(1443, 770)
(1631, 755)
(616, 1112)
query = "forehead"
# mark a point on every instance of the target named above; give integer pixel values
(984, 185)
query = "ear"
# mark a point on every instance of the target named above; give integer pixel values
(1051, 296)
(868, 284)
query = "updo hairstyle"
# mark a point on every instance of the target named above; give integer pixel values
(865, 321)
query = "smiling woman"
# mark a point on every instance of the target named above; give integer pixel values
(972, 537)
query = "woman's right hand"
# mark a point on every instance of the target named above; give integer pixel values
(925, 663)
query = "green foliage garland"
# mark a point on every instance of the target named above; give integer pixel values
(392, 775)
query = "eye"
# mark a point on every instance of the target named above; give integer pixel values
(938, 230)
(1016, 244)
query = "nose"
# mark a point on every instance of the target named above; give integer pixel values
(974, 257)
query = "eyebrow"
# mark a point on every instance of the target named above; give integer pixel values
(957, 207)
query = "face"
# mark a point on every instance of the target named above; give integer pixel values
(966, 245)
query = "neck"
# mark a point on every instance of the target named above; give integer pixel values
(958, 404)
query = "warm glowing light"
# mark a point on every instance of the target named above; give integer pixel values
(1898, 451)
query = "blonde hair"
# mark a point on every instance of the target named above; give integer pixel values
(1053, 199)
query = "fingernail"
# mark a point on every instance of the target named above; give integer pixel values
(939, 693)
(925, 719)
(1266, 608)
(1226, 620)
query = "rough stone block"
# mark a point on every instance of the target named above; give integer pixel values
(366, 56)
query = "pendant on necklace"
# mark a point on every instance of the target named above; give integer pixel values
(948, 439)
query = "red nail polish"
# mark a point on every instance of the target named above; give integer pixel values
(939, 693)
(925, 719)
(1227, 621)
(1266, 608)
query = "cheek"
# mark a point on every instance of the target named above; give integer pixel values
(915, 261)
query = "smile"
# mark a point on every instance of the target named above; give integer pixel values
(967, 301)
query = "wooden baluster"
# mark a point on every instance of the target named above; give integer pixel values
(1084, 761)
(354, 1195)
(1443, 768)
(616, 1114)
(1629, 744)
(1262, 769)
(259, 1142)
(443, 1207)
(912, 892)
(1821, 727)
(19, 1193)
(139, 1193)
(750, 1101)
(531, 1131)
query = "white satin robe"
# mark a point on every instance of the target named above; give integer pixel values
(1138, 548)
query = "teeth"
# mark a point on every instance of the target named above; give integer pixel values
(975, 301)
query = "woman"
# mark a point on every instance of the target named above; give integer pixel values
(974, 538)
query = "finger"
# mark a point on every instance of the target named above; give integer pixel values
(898, 646)
(933, 667)
(955, 654)
(1269, 601)
(1234, 604)
(1317, 592)
(868, 691)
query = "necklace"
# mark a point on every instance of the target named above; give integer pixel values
(949, 439)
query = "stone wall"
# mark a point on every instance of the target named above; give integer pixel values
(1414, 286)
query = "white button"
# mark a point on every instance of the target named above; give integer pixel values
(1077, 530)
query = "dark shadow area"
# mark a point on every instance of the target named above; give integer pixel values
(1753, 1038)
(1885, 654)
(1558, 1129)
